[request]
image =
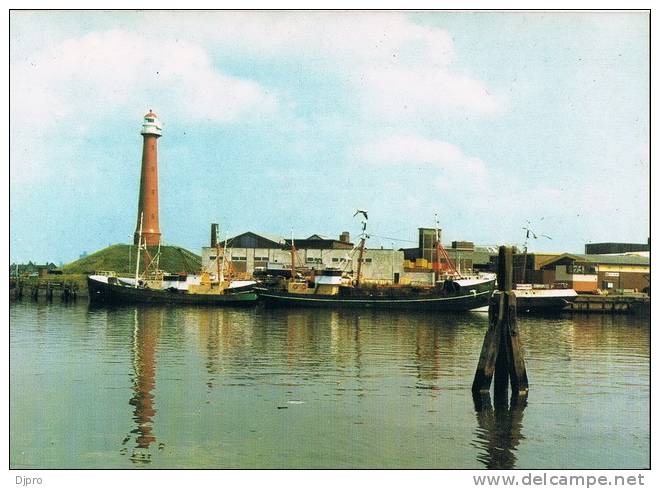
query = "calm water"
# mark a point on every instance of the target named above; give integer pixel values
(255, 388)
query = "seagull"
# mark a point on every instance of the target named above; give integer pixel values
(533, 234)
(361, 212)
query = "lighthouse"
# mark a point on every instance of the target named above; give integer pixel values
(148, 202)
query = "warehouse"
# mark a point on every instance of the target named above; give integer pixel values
(594, 273)
(250, 252)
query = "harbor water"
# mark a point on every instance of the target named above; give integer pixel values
(185, 387)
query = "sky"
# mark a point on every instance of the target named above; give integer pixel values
(288, 121)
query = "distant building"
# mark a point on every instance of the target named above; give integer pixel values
(588, 273)
(465, 255)
(616, 248)
(30, 269)
(526, 268)
(250, 251)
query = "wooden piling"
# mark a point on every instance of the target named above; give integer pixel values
(501, 353)
(65, 292)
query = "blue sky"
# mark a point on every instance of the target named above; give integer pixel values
(281, 120)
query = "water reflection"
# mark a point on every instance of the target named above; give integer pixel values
(358, 389)
(427, 354)
(500, 429)
(146, 332)
(211, 326)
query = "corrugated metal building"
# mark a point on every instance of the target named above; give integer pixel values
(588, 273)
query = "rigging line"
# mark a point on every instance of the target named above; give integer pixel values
(391, 238)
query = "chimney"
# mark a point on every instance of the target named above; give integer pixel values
(345, 237)
(214, 235)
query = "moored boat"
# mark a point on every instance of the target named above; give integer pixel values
(540, 300)
(156, 286)
(116, 290)
(533, 299)
(337, 288)
(328, 290)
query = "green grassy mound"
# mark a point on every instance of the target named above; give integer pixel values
(120, 258)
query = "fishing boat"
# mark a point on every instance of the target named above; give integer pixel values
(156, 286)
(337, 288)
(530, 299)
(536, 298)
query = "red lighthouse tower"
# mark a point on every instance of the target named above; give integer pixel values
(148, 202)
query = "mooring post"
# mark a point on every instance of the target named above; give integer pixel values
(501, 353)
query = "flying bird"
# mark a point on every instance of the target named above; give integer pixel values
(531, 233)
(361, 212)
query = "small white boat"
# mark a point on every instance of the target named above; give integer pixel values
(542, 300)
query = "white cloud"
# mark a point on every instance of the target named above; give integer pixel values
(401, 92)
(393, 66)
(105, 71)
(352, 37)
(415, 150)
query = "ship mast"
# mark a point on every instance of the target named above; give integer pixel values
(528, 232)
(137, 260)
(222, 268)
(524, 263)
(440, 251)
(362, 242)
(359, 267)
(217, 256)
(436, 263)
(293, 257)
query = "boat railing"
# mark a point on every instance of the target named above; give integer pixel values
(106, 273)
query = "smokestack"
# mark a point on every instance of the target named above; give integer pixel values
(148, 201)
(214, 235)
(345, 237)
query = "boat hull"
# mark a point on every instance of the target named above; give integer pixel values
(543, 301)
(107, 293)
(471, 299)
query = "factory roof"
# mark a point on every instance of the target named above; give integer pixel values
(250, 239)
(631, 259)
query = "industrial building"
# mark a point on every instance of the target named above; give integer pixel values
(591, 273)
(586, 273)
(249, 252)
(465, 255)
(616, 248)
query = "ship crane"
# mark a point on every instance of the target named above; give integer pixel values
(441, 252)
